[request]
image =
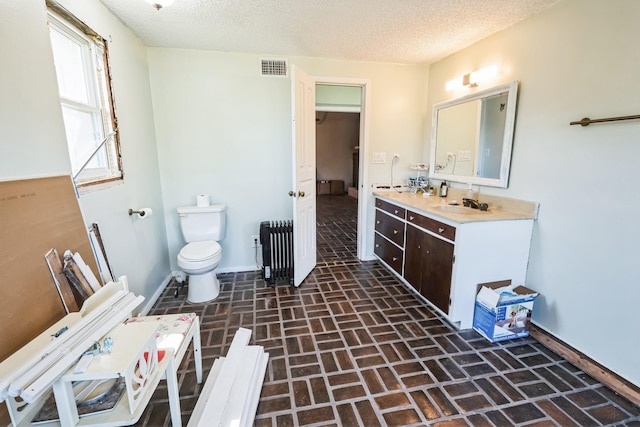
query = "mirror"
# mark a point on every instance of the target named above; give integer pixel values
(472, 136)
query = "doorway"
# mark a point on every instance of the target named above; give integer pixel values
(338, 174)
(341, 125)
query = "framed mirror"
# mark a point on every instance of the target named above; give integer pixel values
(472, 137)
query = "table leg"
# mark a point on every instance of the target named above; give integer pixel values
(65, 403)
(172, 391)
(197, 350)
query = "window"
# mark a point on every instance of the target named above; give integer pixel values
(80, 57)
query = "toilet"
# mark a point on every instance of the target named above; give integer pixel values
(202, 228)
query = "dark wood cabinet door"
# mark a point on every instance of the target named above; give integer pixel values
(413, 255)
(436, 271)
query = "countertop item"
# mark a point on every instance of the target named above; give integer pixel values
(500, 208)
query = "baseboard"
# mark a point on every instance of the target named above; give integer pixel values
(156, 295)
(238, 269)
(612, 380)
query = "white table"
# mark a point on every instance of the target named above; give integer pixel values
(135, 358)
(176, 331)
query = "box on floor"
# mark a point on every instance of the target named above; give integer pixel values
(503, 311)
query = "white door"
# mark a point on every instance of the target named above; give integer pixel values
(303, 89)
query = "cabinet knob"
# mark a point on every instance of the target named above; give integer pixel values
(377, 222)
(394, 258)
(440, 230)
(377, 246)
(301, 193)
(395, 231)
(395, 211)
(410, 217)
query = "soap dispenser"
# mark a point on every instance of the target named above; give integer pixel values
(470, 194)
(443, 189)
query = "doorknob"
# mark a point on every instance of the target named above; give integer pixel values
(301, 193)
(292, 194)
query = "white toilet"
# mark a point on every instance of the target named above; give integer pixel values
(202, 228)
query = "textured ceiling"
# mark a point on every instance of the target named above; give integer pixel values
(399, 31)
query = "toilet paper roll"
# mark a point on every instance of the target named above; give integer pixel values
(202, 200)
(145, 213)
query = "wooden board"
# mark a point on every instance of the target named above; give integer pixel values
(588, 365)
(64, 289)
(35, 216)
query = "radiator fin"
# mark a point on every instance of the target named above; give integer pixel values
(276, 238)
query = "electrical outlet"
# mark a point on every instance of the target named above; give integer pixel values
(255, 241)
(396, 158)
(449, 156)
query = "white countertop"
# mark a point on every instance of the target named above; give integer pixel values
(500, 208)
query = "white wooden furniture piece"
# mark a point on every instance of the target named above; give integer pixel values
(135, 358)
(176, 331)
(27, 376)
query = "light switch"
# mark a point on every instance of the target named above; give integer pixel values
(464, 155)
(379, 157)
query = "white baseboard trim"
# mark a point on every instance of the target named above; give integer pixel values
(238, 269)
(151, 302)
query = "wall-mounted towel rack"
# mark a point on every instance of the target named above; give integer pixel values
(587, 121)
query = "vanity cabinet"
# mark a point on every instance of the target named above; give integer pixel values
(445, 260)
(428, 266)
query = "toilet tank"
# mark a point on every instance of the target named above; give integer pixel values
(202, 223)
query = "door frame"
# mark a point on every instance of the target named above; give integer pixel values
(363, 153)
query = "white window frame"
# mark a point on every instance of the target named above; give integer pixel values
(100, 106)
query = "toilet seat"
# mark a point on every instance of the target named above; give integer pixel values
(200, 251)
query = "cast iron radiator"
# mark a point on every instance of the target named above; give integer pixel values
(276, 238)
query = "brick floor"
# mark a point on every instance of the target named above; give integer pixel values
(352, 346)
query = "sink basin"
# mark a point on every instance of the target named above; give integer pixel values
(458, 210)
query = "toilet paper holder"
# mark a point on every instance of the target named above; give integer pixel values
(141, 213)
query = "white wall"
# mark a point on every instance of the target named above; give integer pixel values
(32, 141)
(32, 138)
(576, 59)
(337, 135)
(224, 130)
(328, 96)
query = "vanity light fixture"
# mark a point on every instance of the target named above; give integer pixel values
(472, 79)
(159, 4)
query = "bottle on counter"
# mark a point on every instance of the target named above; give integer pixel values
(443, 189)
(470, 193)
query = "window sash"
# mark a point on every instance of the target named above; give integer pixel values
(87, 107)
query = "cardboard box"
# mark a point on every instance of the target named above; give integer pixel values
(323, 187)
(337, 186)
(503, 312)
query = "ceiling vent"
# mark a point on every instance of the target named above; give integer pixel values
(273, 67)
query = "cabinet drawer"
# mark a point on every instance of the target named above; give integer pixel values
(437, 227)
(390, 253)
(390, 227)
(391, 208)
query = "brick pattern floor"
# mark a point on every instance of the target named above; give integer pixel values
(352, 346)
